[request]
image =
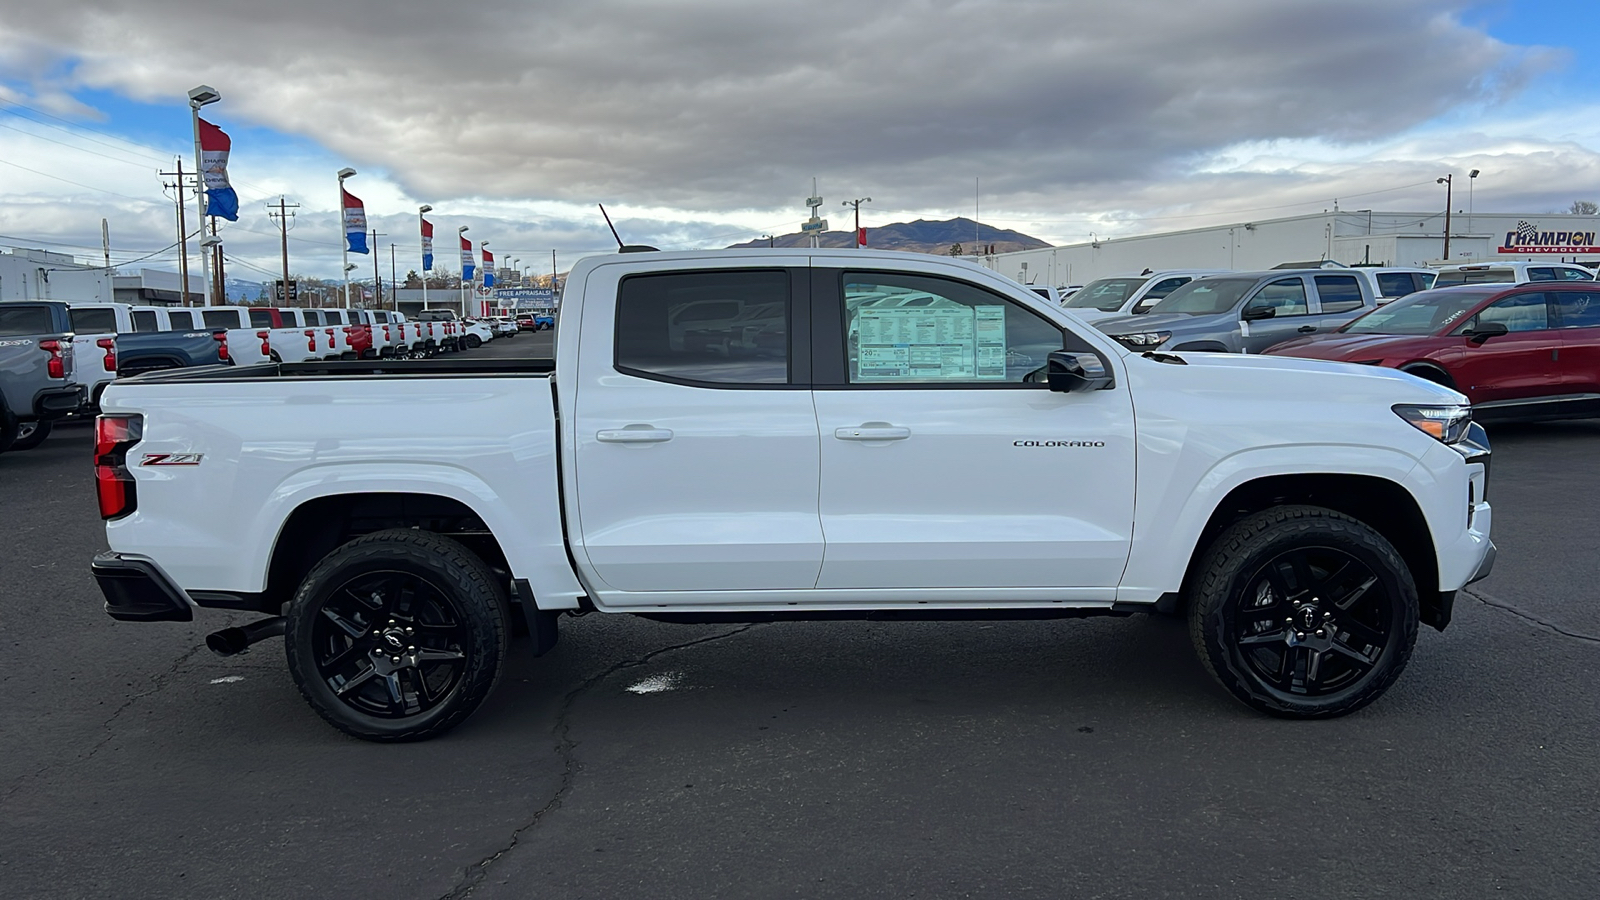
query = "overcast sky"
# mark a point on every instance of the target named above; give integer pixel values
(702, 123)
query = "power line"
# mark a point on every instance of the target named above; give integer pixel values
(39, 137)
(77, 128)
(79, 183)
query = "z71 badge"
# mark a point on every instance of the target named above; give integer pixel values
(171, 459)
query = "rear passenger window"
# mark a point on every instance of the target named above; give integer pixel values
(1541, 274)
(260, 318)
(722, 327)
(1393, 284)
(221, 318)
(313, 316)
(94, 321)
(1339, 293)
(1578, 309)
(145, 320)
(181, 319)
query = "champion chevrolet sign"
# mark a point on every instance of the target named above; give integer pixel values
(1529, 239)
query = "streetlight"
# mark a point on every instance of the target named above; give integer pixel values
(1472, 178)
(204, 95)
(422, 210)
(857, 205)
(1449, 182)
(344, 239)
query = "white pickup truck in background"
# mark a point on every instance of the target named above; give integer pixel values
(855, 434)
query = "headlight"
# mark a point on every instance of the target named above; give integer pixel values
(1142, 340)
(1446, 423)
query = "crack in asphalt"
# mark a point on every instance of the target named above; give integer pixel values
(158, 683)
(1530, 617)
(473, 875)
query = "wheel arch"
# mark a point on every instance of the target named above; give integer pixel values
(1429, 371)
(1380, 503)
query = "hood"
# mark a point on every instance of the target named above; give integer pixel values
(1090, 314)
(1149, 322)
(1351, 346)
(1285, 372)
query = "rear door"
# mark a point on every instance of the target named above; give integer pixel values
(1339, 299)
(1578, 315)
(695, 442)
(1518, 365)
(942, 469)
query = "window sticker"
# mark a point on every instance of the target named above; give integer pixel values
(931, 344)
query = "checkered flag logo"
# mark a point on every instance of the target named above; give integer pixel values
(1526, 231)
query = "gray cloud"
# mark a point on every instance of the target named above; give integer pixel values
(718, 106)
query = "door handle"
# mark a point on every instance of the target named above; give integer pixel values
(634, 434)
(1307, 329)
(872, 431)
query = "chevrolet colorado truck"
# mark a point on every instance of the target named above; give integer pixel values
(37, 384)
(874, 435)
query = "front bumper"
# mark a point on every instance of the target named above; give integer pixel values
(136, 590)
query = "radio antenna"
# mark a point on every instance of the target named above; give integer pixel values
(621, 247)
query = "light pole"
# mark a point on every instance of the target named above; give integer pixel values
(204, 95)
(1448, 181)
(422, 210)
(459, 232)
(856, 204)
(1472, 178)
(344, 239)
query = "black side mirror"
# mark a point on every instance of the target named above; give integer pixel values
(1256, 313)
(1067, 372)
(1487, 330)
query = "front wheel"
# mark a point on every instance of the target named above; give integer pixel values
(474, 342)
(397, 636)
(1303, 612)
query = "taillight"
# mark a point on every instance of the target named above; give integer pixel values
(386, 334)
(311, 340)
(57, 366)
(221, 337)
(329, 332)
(109, 345)
(266, 342)
(114, 484)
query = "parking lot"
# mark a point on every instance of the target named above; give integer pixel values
(1063, 758)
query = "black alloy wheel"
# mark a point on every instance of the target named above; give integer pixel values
(1304, 612)
(397, 636)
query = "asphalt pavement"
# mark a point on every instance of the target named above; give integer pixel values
(1086, 758)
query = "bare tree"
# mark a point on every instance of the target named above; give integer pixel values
(1583, 208)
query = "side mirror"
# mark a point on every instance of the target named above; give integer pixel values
(1256, 313)
(1487, 330)
(1068, 372)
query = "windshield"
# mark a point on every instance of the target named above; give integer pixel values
(1424, 312)
(1474, 276)
(1205, 297)
(1106, 295)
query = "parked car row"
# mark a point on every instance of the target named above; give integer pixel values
(57, 358)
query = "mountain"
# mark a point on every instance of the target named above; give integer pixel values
(921, 236)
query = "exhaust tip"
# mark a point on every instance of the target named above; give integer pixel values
(236, 640)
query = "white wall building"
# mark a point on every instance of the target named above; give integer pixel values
(1348, 236)
(44, 275)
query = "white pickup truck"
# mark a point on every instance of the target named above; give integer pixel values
(885, 435)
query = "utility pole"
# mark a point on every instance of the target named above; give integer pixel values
(1447, 182)
(552, 277)
(857, 205)
(283, 216)
(105, 241)
(183, 237)
(377, 280)
(219, 287)
(394, 279)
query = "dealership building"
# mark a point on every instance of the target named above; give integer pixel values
(1352, 237)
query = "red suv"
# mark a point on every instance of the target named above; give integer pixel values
(1526, 351)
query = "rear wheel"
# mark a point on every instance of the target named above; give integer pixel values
(397, 636)
(31, 434)
(474, 342)
(1303, 612)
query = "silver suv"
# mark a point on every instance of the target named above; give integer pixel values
(1246, 312)
(1129, 294)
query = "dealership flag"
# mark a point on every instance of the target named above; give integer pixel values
(466, 260)
(427, 245)
(355, 222)
(488, 268)
(220, 198)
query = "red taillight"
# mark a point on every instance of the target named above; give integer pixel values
(311, 339)
(329, 332)
(109, 345)
(266, 342)
(221, 337)
(114, 484)
(57, 366)
(386, 334)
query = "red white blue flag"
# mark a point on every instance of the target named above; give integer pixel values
(220, 197)
(488, 268)
(355, 222)
(427, 245)
(466, 260)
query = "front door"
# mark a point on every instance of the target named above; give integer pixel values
(695, 446)
(1291, 317)
(941, 467)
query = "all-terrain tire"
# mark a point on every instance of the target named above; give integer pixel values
(1303, 612)
(374, 596)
